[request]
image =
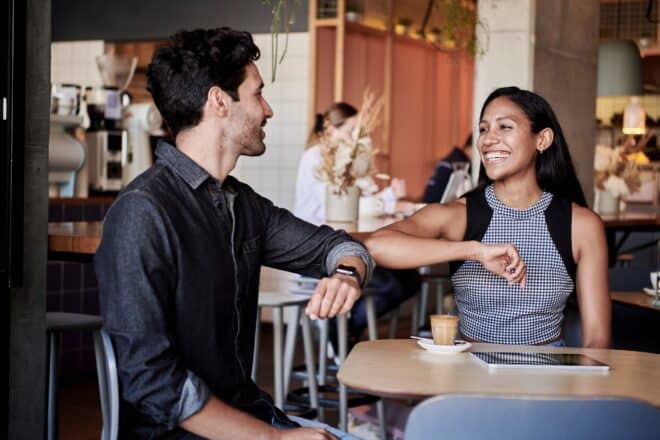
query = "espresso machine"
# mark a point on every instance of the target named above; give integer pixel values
(107, 140)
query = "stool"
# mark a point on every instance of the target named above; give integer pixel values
(56, 323)
(277, 301)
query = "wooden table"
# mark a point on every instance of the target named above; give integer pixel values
(636, 299)
(84, 237)
(627, 222)
(71, 238)
(400, 368)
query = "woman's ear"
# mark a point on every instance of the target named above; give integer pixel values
(218, 101)
(544, 139)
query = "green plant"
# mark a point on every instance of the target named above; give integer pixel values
(283, 18)
(354, 7)
(460, 24)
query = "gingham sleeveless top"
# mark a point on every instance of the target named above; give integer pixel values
(491, 310)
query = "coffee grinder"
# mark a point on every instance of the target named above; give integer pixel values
(107, 141)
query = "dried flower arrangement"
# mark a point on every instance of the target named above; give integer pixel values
(617, 169)
(346, 163)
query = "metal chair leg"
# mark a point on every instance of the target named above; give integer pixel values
(309, 361)
(290, 345)
(277, 357)
(53, 350)
(257, 341)
(102, 373)
(342, 324)
(371, 318)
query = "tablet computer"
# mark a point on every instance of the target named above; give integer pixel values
(562, 361)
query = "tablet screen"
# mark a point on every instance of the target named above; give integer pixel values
(540, 360)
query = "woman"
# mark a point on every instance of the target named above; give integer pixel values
(336, 123)
(531, 197)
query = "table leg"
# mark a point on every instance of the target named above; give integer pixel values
(342, 336)
(371, 318)
(309, 361)
(257, 341)
(290, 345)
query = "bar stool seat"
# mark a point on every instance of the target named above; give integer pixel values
(57, 322)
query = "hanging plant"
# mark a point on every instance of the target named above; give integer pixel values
(460, 24)
(283, 18)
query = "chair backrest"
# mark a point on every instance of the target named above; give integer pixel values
(473, 417)
(106, 365)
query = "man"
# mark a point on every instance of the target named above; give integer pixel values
(436, 185)
(178, 265)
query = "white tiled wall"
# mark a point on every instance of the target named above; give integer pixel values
(274, 174)
(74, 62)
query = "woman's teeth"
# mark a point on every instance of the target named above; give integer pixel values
(496, 156)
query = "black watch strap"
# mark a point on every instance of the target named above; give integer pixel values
(350, 271)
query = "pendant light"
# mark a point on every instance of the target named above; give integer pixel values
(620, 74)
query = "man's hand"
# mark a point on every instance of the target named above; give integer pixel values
(503, 260)
(333, 295)
(304, 434)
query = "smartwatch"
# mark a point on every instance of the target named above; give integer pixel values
(350, 271)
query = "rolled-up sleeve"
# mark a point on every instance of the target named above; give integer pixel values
(293, 244)
(137, 274)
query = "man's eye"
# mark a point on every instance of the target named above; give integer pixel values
(505, 127)
(482, 130)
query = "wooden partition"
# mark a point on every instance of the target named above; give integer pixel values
(428, 91)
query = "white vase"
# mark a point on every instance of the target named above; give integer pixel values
(606, 203)
(341, 207)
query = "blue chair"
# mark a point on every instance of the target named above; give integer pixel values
(461, 417)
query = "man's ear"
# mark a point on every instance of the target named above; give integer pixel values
(218, 101)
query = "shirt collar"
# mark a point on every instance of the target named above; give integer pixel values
(182, 165)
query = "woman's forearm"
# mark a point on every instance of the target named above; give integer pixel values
(398, 250)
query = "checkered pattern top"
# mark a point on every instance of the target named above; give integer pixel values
(491, 310)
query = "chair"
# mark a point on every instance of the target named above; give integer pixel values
(106, 366)
(56, 323)
(473, 417)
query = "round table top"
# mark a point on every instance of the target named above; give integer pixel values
(400, 368)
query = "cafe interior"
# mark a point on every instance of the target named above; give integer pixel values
(79, 125)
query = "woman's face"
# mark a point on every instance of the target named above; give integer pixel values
(343, 132)
(506, 143)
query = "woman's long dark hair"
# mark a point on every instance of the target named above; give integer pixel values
(554, 168)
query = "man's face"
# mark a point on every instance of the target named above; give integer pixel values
(248, 115)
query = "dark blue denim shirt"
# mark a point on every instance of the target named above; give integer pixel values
(178, 270)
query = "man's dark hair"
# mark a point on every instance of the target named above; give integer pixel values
(182, 72)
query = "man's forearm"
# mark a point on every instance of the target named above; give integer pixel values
(218, 421)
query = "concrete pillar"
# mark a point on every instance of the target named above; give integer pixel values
(551, 48)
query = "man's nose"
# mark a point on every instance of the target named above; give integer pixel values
(268, 111)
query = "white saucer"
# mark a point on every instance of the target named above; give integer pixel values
(428, 345)
(649, 291)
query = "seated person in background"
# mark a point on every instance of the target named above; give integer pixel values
(178, 265)
(391, 287)
(435, 188)
(531, 198)
(337, 122)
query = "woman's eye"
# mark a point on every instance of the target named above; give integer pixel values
(505, 127)
(482, 130)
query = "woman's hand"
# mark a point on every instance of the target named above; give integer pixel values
(503, 260)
